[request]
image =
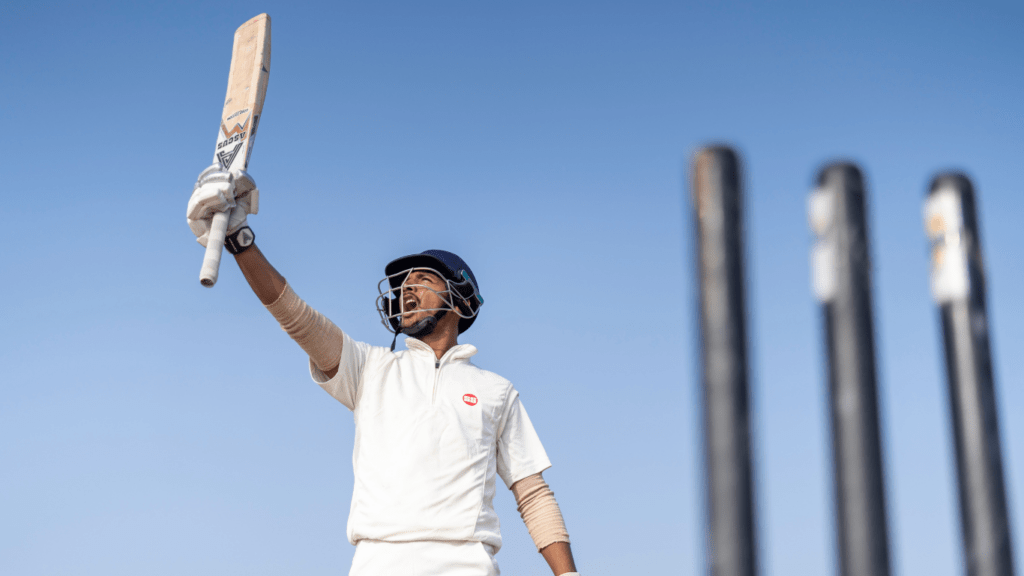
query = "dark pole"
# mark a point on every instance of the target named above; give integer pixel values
(718, 217)
(842, 282)
(958, 285)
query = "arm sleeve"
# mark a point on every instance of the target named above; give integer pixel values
(540, 511)
(520, 453)
(317, 335)
(345, 386)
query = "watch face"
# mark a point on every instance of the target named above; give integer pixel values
(245, 237)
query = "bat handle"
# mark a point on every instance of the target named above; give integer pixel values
(214, 247)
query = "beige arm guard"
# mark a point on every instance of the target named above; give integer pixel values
(317, 335)
(540, 512)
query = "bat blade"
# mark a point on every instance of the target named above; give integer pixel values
(243, 106)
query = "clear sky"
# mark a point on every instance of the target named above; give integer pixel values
(151, 426)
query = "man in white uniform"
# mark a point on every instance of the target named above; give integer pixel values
(432, 429)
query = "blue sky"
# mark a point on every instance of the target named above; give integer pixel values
(152, 426)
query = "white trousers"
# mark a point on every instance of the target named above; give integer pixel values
(423, 558)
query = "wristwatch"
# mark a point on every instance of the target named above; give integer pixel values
(240, 241)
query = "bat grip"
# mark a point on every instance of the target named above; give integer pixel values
(214, 247)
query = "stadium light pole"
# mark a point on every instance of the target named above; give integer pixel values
(841, 278)
(718, 217)
(958, 287)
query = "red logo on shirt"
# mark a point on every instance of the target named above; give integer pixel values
(469, 399)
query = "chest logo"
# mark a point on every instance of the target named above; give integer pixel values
(469, 399)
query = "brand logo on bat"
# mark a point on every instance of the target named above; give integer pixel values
(225, 158)
(239, 128)
(233, 135)
(469, 399)
(242, 111)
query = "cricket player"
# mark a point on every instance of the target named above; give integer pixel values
(432, 429)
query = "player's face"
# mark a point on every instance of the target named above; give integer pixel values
(420, 294)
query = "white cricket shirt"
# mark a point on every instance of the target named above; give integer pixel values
(430, 437)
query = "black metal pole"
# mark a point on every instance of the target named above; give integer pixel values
(718, 221)
(958, 285)
(842, 282)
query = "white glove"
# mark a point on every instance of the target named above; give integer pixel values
(217, 190)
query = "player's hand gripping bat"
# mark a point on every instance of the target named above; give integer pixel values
(247, 88)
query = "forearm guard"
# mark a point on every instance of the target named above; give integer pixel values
(540, 511)
(317, 335)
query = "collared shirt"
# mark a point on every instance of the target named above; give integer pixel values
(430, 437)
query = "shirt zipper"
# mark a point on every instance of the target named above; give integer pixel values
(437, 372)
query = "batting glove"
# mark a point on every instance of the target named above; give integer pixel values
(217, 190)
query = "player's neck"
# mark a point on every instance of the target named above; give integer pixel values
(440, 343)
(443, 338)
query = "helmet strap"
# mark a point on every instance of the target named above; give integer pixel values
(422, 328)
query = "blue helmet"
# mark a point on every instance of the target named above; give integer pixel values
(464, 299)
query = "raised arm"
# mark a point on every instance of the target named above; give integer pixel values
(264, 279)
(217, 191)
(317, 335)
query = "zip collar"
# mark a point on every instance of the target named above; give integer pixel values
(459, 352)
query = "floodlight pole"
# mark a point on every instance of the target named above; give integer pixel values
(958, 286)
(842, 283)
(718, 221)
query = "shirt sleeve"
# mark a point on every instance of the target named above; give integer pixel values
(520, 453)
(345, 386)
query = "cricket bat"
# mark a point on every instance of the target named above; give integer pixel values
(247, 88)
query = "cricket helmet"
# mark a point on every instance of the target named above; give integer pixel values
(462, 293)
